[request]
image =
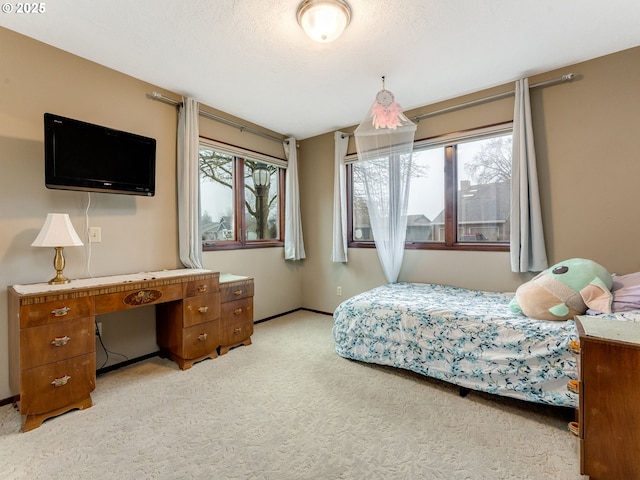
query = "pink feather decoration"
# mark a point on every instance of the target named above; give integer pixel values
(387, 117)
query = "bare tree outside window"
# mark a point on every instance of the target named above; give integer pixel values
(361, 221)
(261, 201)
(493, 162)
(217, 220)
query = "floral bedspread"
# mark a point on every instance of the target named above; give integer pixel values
(465, 337)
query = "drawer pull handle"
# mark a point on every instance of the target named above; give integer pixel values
(60, 382)
(237, 292)
(60, 312)
(574, 427)
(202, 288)
(573, 386)
(237, 311)
(574, 347)
(203, 309)
(60, 341)
(202, 337)
(237, 331)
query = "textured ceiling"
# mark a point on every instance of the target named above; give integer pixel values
(251, 59)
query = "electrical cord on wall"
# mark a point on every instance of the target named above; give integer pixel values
(106, 350)
(87, 269)
(87, 243)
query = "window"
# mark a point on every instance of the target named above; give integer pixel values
(241, 200)
(459, 194)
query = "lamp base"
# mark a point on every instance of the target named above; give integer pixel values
(59, 279)
(58, 264)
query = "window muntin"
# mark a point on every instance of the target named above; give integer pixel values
(235, 211)
(459, 195)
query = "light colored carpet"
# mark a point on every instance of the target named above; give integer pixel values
(287, 407)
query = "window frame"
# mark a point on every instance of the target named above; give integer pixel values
(450, 143)
(240, 242)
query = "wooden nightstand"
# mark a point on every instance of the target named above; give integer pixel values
(609, 414)
(236, 311)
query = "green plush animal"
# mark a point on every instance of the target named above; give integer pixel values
(565, 290)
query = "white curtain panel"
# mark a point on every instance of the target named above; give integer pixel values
(293, 241)
(528, 252)
(188, 187)
(339, 251)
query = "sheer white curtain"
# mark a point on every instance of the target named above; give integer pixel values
(528, 253)
(293, 241)
(339, 251)
(387, 192)
(384, 159)
(188, 187)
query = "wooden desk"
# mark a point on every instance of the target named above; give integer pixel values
(52, 356)
(609, 414)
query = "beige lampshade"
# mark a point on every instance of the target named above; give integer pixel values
(57, 231)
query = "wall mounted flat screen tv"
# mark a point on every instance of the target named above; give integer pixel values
(91, 158)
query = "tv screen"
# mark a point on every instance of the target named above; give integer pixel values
(92, 158)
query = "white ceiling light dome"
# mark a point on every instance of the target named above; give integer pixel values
(324, 20)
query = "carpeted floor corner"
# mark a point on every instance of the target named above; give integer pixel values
(287, 407)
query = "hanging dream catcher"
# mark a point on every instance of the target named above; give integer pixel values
(386, 112)
(385, 132)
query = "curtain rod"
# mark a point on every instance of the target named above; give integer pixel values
(211, 116)
(564, 78)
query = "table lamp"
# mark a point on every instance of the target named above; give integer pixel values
(57, 232)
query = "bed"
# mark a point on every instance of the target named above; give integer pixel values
(470, 338)
(465, 337)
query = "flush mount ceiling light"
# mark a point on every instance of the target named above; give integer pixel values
(324, 20)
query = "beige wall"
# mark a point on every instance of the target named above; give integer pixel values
(587, 141)
(138, 233)
(588, 163)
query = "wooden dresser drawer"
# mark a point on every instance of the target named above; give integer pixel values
(237, 321)
(236, 290)
(35, 314)
(235, 331)
(56, 341)
(200, 340)
(238, 310)
(55, 385)
(122, 300)
(201, 287)
(201, 309)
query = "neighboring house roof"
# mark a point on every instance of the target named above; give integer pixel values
(215, 227)
(418, 220)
